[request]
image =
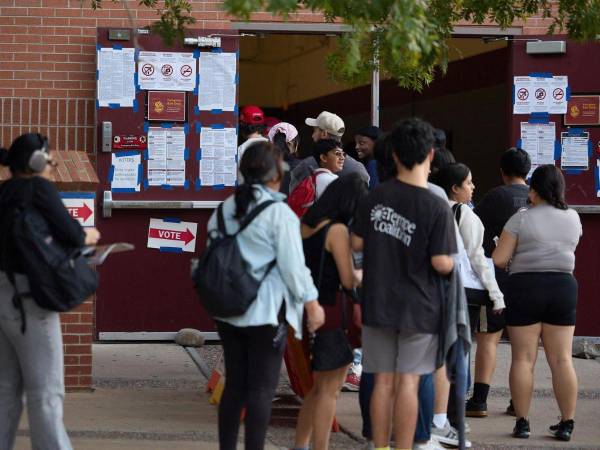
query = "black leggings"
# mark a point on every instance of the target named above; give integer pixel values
(252, 367)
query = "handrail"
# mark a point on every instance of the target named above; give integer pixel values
(109, 204)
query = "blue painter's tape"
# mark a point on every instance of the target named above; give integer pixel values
(97, 74)
(196, 53)
(140, 173)
(539, 117)
(186, 154)
(236, 79)
(196, 110)
(186, 128)
(146, 127)
(195, 91)
(237, 53)
(216, 111)
(519, 143)
(557, 150)
(575, 132)
(198, 184)
(568, 92)
(114, 105)
(117, 47)
(136, 53)
(166, 125)
(97, 104)
(573, 171)
(513, 94)
(235, 109)
(216, 50)
(124, 190)
(590, 148)
(186, 185)
(198, 127)
(217, 126)
(126, 153)
(77, 195)
(145, 155)
(218, 187)
(166, 187)
(146, 184)
(171, 250)
(540, 75)
(597, 178)
(98, 47)
(135, 105)
(172, 220)
(111, 173)
(198, 154)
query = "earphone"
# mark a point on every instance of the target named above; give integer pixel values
(39, 158)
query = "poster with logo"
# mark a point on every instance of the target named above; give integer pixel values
(163, 71)
(166, 106)
(583, 110)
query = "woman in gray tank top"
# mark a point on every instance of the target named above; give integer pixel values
(538, 247)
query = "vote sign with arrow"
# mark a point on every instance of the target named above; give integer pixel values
(81, 209)
(172, 235)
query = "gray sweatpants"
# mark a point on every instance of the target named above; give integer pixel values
(31, 364)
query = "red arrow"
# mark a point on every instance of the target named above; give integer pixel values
(172, 235)
(81, 212)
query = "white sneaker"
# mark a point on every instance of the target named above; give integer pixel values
(431, 444)
(447, 435)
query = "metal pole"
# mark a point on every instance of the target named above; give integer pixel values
(375, 98)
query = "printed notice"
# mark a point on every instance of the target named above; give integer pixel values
(172, 235)
(217, 87)
(540, 94)
(575, 150)
(538, 140)
(116, 71)
(126, 171)
(162, 71)
(166, 156)
(218, 148)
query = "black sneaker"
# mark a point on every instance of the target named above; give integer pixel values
(474, 409)
(521, 429)
(563, 430)
(510, 409)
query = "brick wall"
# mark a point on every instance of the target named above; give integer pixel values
(47, 83)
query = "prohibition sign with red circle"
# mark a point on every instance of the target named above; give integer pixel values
(186, 70)
(166, 70)
(558, 94)
(540, 94)
(147, 69)
(522, 94)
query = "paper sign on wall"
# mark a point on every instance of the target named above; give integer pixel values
(80, 206)
(540, 94)
(217, 87)
(164, 71)
(575, 150)
(172, 235)
(166, 156)
(538, 140)
(116, 70)
(126, 171)
(219, 148)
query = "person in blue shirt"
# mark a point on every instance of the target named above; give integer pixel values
(365, 140)
(253, 342)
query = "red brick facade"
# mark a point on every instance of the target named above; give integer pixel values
(47, 83)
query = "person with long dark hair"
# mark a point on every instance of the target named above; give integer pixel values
(31, 359)
(253, 342)
(328, 254)
(538, 248)
(285, 136)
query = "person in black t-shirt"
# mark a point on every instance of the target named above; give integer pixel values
(407, 235)
(494, 210)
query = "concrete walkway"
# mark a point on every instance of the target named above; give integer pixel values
(151, 396)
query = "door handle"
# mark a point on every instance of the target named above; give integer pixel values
(108, 204)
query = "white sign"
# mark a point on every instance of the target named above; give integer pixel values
(116, 70)
(538, 140)
(126, 171)
(219, 149)
(81, 209)
(172, 234)
(217, 87)
(166, 156)
(575, 150)
(540, 94)
(163, 71)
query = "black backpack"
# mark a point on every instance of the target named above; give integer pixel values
(222, 278)
(59, 277)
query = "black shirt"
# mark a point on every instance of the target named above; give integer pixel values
(328, 281)
(496, 207)
(403, 226)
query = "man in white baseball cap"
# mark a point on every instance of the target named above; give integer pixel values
(326, 126)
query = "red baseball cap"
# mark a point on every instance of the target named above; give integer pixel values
(252, 115)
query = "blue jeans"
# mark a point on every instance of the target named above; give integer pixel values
(424, 415)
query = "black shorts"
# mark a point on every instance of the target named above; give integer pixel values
(483, 319)
(547, 297)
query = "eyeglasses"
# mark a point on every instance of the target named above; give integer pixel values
(339, 154)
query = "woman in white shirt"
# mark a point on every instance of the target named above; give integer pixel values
(457, 181)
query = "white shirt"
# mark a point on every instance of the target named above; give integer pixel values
(324, 177)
